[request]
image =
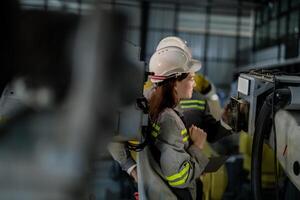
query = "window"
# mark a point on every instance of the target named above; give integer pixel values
(294, 23)
(295, 3)
(160, 18)
(284, 5)
(273, 30)
(282, 29)
(274, 10)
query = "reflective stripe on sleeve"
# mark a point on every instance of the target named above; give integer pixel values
(180, 182)
(184, 134)
(199, 102)
(195, 104)
(184, 131)
(185, 138)
(179, 178)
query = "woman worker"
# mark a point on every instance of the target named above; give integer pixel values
(171, 166)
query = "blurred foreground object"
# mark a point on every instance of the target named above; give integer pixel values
(64, 70)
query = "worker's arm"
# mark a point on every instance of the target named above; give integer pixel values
(121, 154)
(180, 166)
(203, 119)
(215, 129)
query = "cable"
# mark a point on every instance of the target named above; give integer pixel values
(277, 99)
(261, 128)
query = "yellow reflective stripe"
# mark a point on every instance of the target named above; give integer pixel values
(193, 106)
(184, 131)
(185, 138)
(154, 134)
(180, 182)
(156, 127)
(133, 141)
(192, 101)
(155, 130)
(180, 174)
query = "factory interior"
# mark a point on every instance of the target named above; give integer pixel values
(101, 100)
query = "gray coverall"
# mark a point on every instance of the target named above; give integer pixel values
(181, 162)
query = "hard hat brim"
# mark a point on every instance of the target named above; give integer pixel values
(195, 65)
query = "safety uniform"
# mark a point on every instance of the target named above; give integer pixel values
(178, 158)
(180, 163)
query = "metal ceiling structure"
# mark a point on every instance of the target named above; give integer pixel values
(227, 7)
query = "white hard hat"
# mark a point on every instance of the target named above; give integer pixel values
(175, 42)
(171, 61)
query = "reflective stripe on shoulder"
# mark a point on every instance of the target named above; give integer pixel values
(179, 178)
(155, 130)
(156, 127)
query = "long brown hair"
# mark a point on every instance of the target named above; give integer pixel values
(164, 96)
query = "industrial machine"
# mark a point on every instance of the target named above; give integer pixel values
(267, 107)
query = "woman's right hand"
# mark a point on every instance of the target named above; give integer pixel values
(198, 136)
